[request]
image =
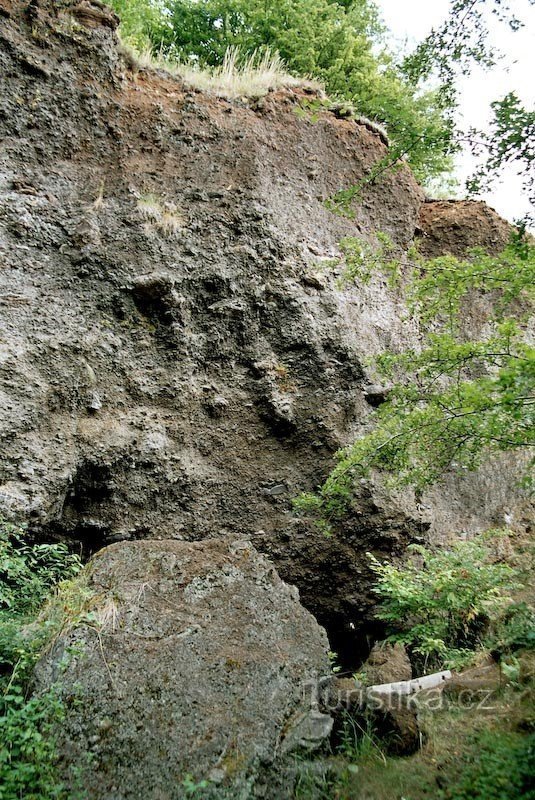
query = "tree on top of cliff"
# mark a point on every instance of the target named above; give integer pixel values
(454, 47)
(338, 42)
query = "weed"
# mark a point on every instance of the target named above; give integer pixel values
(358, 741)
(500, 767)
(164, 216)
(282, 378)
(192, 787)
(440, 602)
(238, 76)
(28, 575)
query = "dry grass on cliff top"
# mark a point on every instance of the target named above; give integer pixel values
(253, 76)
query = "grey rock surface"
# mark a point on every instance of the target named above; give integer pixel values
(168, 366)
(198, 660)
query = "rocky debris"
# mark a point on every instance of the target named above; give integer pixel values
(94, 13)
(396, 723)
(386, 663)
(394, 716)
(197, 660)
(375, 394)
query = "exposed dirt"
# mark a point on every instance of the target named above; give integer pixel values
(176, 358)
(455, 226)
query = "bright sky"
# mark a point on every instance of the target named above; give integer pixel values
(411, 20)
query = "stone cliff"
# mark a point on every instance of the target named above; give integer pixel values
(176, 359)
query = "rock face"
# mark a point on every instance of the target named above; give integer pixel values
(198, 661)
(387, 663)
(170, 362)
(455, 226)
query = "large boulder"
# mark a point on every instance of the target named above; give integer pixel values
(196, 663)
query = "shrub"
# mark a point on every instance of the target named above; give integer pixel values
(28, 575)
(439, 602)
(501, 767)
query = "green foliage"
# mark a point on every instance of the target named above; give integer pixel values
(454, 47)
(510, 139)
(192, 787)
(28, 575)
(456, 399)
(459, 42)
(362, 260)
(500, 767)
(143, 22)
(357, 741)
(514, 630)
(339, 43)
(311, 784)
(28, 757)
(441, 602)
(27, 572)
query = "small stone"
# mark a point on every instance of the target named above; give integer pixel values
(375, 395)
(387, 663)
(217, 406)
(94, 403)
(308, 732)
(277, 489)
(314, 280)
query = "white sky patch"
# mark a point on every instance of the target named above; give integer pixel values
(411, 20)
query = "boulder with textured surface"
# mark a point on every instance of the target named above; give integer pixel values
(197, 663)
(387, 663)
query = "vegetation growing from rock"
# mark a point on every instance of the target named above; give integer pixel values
(457, 398)
(340, 44)
(440, 603)
(343, 44)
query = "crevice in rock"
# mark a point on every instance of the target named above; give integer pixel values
(351, 643)
(81, 523)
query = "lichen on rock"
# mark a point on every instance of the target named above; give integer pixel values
(196, 660)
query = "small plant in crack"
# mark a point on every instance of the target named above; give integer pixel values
(162, 215)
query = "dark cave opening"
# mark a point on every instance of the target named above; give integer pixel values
(350, 642)
(80, 524)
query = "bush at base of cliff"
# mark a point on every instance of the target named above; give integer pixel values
(28, 574)
(500, 767)
(440, 603)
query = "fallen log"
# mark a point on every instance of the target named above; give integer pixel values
(409, 687)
